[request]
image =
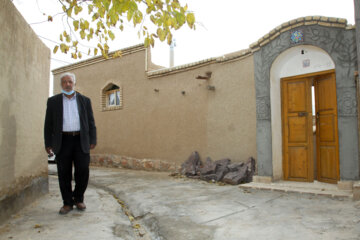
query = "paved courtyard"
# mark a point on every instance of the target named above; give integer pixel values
(128, 204)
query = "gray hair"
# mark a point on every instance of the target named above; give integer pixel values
(68, 74)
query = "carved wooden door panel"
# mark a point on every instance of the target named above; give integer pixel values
(327, 130)
(297, 129)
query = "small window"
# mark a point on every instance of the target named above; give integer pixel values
(111, 97)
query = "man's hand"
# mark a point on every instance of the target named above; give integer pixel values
(92, 146)
(49, 151)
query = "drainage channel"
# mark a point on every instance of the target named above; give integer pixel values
(139, 230)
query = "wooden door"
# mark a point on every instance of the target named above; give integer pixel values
(297, 129)
(326, 128)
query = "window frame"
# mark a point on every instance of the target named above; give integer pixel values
(105, 97)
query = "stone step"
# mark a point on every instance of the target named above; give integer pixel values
(315, 188)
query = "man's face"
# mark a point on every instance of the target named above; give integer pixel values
(67, 83)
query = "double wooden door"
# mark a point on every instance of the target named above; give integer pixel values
(298, 128)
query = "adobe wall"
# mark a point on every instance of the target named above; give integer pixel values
(167, 114)
(24, 88)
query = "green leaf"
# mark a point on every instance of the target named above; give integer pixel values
(148, 10)
(169, 38)
(69, 12)
(152, 41)
(95, 16)
(111, 35)
(82, 25)
(55, 49)
(116, 54)
(113, 16)
(101, 12)
(180, 18)
(63, 48)
(68, 38)
(190, 19)
(153, 19)
(82, 34)
(77, 9)
(90, 8)
(161, 34)
(129, 15)
(98, 25)
(133, 6)
(76, 25)
(140, 17)
(95, 51)
(86, 24)
(106, 4)
(146, 42)
(168, 22)
(175, 5)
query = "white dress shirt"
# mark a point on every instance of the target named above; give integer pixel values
(71, 119)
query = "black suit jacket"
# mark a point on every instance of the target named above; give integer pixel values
(54, 122)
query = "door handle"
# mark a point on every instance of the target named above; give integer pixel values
(302, 114)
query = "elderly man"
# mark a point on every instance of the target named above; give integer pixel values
(70, 133)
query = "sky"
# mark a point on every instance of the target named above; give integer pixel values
(221, 26)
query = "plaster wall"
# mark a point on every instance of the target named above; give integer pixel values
(231, 121)
(180, 117)
(287, 64)
(24, 87)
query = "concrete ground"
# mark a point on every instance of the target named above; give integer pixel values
(128, 204)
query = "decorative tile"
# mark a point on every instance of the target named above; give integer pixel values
(297, 36)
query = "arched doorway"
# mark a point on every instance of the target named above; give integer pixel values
(296, 71)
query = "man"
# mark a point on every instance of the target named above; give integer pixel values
(70, 133)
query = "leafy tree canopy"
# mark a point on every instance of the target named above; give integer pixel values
(97, 19)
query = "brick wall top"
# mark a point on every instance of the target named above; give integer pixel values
(303, 21)
(100, 58)
(225, 58)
